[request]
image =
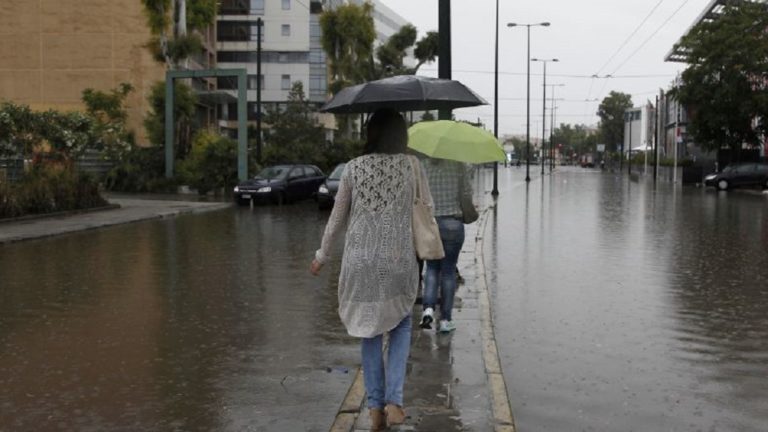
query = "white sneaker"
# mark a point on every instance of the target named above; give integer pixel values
(447, 326)
(426, 318)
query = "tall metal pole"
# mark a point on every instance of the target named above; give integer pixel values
(259, 24)
(552, 133)
(629, 152)
(444, 48)
(656, 139)
(544, 119)
(495, 191)
(528, 111)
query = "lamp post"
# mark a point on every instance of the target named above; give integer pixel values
(495, 191)
(552, 129)
(528, 97)
(544, 111)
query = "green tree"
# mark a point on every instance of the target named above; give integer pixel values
(294, 135)
(107, 109)
(183, 112)
(17, 137)
(726, 85)
(611, 113)
(347, 39)
(171, 42)
(211, 164)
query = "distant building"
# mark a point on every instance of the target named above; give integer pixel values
(291, 48)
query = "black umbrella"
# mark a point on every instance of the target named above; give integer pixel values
(403, 93)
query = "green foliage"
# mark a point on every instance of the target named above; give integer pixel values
(174, 46)
(294, 134)
(107, 109)
(575, 138)
(201, 13)
(211, 164)
(49, 188)
(17, 131)
(141, 169)
(725, 85)
(183, 112)
(611, 112)
(347, 39)
(391, 54)
(426, 49)
(428, 116)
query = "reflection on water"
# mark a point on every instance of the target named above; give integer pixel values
(621, 307)
(207, 322)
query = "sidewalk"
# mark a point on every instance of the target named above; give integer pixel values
(453, 381)
(131, 210)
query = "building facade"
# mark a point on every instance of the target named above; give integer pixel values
(290, 44)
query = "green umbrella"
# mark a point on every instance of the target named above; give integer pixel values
(447, 139)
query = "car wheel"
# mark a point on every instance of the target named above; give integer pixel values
(722, 184)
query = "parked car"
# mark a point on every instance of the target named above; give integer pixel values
(280, 184)
(326, 193)
(739, 175)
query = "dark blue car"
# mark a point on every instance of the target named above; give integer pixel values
(280, 184)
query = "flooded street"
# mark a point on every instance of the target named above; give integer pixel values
(617, 307)
(198, 323)
(623, 308)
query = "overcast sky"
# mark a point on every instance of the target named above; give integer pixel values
(584, 35)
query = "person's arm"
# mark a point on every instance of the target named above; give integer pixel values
(336, 222)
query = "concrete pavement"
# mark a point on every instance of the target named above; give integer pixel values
(130, 210)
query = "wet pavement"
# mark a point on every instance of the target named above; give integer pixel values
(623, 307)
(616, 306)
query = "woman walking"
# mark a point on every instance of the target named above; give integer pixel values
(447, 181)
(378, 282)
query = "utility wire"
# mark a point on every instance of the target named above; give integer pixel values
(651, 36)
(634, 32)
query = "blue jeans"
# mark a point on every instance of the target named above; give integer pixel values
(386, 388)
(442, 273)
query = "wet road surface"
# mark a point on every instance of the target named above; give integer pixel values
(623, 308)
(197, 323)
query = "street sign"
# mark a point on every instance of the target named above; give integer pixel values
(601, 148)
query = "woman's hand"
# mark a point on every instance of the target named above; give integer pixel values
(315, 267)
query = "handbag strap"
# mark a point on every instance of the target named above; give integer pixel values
(416, 186)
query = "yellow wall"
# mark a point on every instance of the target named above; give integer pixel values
(51, 50)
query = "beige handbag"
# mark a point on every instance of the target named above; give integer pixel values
(426, 234)
(468, 211)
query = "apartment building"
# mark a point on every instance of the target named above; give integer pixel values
(290, 43)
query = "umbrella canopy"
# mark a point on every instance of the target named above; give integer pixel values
(447, 139)
(403, 93)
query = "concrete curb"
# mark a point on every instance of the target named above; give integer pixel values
(502, 409)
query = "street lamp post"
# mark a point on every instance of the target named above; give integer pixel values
(552, 129)
(544, 111)
(495, 191)
(528, 97)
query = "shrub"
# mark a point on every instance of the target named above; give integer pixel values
(142, 169)
(211, 164)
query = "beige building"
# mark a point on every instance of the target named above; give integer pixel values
(51, 50)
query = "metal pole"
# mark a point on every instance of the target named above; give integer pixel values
(495, 191)
(629, 152)
(169, 125)
(623, 138)
(657, 136)
(552, 133)
(528, 111)
(544, 119)
(444, 48)
(259, 24)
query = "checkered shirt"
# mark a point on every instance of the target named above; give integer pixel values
(444, 179)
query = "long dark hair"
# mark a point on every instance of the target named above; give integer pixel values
(386, 133)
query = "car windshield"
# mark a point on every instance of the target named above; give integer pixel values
(270, 173)
(336, 174)
(730, 168)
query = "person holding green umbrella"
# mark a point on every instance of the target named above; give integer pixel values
(449, 145)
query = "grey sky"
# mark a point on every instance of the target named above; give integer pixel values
(583, 36)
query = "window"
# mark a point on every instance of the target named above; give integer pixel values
(285, 29)
(286, 4)
(255, 33)
(285, 82)
(253, 82)
(297, 172)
